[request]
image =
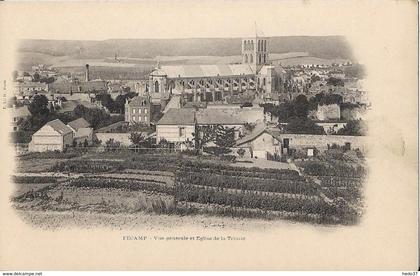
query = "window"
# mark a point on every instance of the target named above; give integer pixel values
(139, 118)
(145, 119)
(145, 111)
(251, 60)
(264, 81)
(181, 131)
(156, 87)
(134, 118)
(246, 58)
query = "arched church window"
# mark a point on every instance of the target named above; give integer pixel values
(264, 81)
(156, 87)
(246, 58)
(251, 59)
(259, 58)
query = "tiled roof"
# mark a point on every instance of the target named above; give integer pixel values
(256, 132)
(218, 116)
(59, 126)
(174, 102)
(137, 101)
(183, 116)
(78, 123)
(198, 71)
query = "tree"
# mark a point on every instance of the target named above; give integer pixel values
(315, 78)
(137, 138)
(119, 103)
(353, 128)
(106, 101)
(301, 106)
(335, 81)
(47, 80)
(224, 140)
(39, 106)
(35, 77)
(203, 135)
(300, 125)
(95, 116)
(112, 145)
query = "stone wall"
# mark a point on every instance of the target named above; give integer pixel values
(321, 142)
(123, 138)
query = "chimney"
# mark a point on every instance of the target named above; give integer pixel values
(87, 73)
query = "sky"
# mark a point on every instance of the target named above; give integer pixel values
(172, 19)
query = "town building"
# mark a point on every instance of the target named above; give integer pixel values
(176, 126)
(54, 135)
(28, 88)
(83, 136)
(327, 112)
(19, 113)
(218, 82)
(260, 143)
(78, 124)
(138, 110)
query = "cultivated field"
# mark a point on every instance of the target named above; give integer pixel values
(177, 185)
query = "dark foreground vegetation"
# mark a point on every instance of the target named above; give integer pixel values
(198, 186)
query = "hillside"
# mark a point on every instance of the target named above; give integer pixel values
(328, 47)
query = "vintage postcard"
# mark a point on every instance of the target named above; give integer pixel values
(209, 135)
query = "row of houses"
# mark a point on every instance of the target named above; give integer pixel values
(178, 125)
(57, 136)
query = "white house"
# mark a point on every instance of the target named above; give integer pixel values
(81, 131)
(176, 126)
(54, 135)
(260, 143)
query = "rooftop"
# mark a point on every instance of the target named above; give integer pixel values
(59, 126)
(78, 123)
(219, 117)
(198, 71)
(138, 101)
(173, 116)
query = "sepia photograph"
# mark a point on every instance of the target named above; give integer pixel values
(231, 123)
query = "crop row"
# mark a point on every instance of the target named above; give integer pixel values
(349, 194)
(264, 202)
(34, 179)
(333, 181)
(131, 185)
(333, 169)
(239, 171)
(84, 166)
(246, 183)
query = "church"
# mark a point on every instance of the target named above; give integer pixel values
(219, 83)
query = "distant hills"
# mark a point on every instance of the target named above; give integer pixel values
(327, 47)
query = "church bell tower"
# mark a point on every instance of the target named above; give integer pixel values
(254, 50)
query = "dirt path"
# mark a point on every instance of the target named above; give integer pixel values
(59, 220)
